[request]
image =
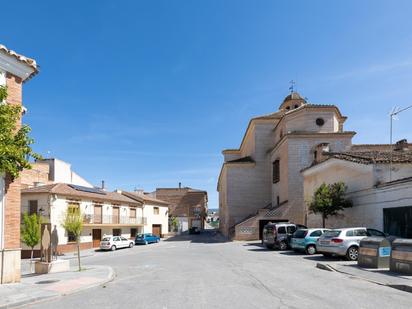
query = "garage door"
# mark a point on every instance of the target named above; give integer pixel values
(398, 221)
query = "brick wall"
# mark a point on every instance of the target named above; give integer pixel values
(12, 189)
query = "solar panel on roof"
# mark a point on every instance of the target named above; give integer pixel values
(87, 189)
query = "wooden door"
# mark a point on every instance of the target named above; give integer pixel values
(97, 214)
(157, 230)
(97, 236)
(116, 214)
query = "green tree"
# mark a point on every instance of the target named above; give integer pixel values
(73, 223)
(175, 224)
(31, 231)
(15, 149)
(328, 200)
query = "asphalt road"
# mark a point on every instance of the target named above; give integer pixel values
(203, 271)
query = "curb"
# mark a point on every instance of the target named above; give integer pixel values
(401, 287)
(34, 300)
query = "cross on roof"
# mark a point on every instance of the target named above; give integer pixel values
(292, 86)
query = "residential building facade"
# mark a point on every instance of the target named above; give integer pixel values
(15, 69)
(155, 211)
(104, 213)
(52, 170)
(379, 184)
(186, 205)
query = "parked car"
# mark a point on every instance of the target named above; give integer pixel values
(115, 242)
(194, 230)
(278, 235)
(144, 239)
(345, 242)
(305, 240)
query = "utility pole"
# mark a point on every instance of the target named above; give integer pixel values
(394, 112)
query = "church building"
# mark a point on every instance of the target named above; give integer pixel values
(261, 181)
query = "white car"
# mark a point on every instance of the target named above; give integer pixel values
(115, 242)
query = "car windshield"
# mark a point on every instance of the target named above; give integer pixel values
(300, 234)
(333, 233)
(106, 239)
(140, 236)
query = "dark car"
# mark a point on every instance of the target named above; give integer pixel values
(278, 235)
(194, 230)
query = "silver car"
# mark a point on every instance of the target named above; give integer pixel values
(344, 242)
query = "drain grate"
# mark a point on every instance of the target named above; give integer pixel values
(47, 281)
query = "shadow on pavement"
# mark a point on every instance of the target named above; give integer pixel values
(321, 258)
(205, 237)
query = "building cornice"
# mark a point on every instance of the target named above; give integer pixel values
(16, 67)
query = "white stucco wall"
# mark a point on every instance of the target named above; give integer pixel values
(162, 218)
(368, 200)
(58, 209)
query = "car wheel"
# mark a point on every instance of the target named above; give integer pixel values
(283, 245)
(352, 253)
(311, 249)
(131, 245)
(113, 248)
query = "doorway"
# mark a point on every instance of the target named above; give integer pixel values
(97, 236)
(157, 230)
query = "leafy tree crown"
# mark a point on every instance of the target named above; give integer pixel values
(15, 143)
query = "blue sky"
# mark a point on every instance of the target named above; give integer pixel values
(148, 93)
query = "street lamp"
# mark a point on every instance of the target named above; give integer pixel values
(394, 112)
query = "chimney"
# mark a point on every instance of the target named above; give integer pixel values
(139, 191)
(103, 188)
(321, 152)
(402, 145)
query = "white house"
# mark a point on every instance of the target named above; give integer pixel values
(105, 213)
(154, 210)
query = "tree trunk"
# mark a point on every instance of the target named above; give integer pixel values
(78, 253)
(323, 220)
(31, 260)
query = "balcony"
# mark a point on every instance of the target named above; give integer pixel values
(113, 220)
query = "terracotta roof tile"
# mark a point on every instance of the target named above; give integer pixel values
(374, 156)
(67, 190)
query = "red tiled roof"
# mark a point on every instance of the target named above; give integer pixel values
(66, 190)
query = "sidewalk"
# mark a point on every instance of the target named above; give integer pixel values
(377, 276)
(35, 288)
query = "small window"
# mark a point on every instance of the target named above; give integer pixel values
(296, 106)
(349, 233)
(282, 230)
(33, 205)
(287, 107)
(71, 237)
(276, 171)
(132, 212)
(156, 210)
(317, 233)
(320, 122)
(117, 232)
(278, 200)
(315, 155)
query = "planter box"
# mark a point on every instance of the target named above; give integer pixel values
(52, 267)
